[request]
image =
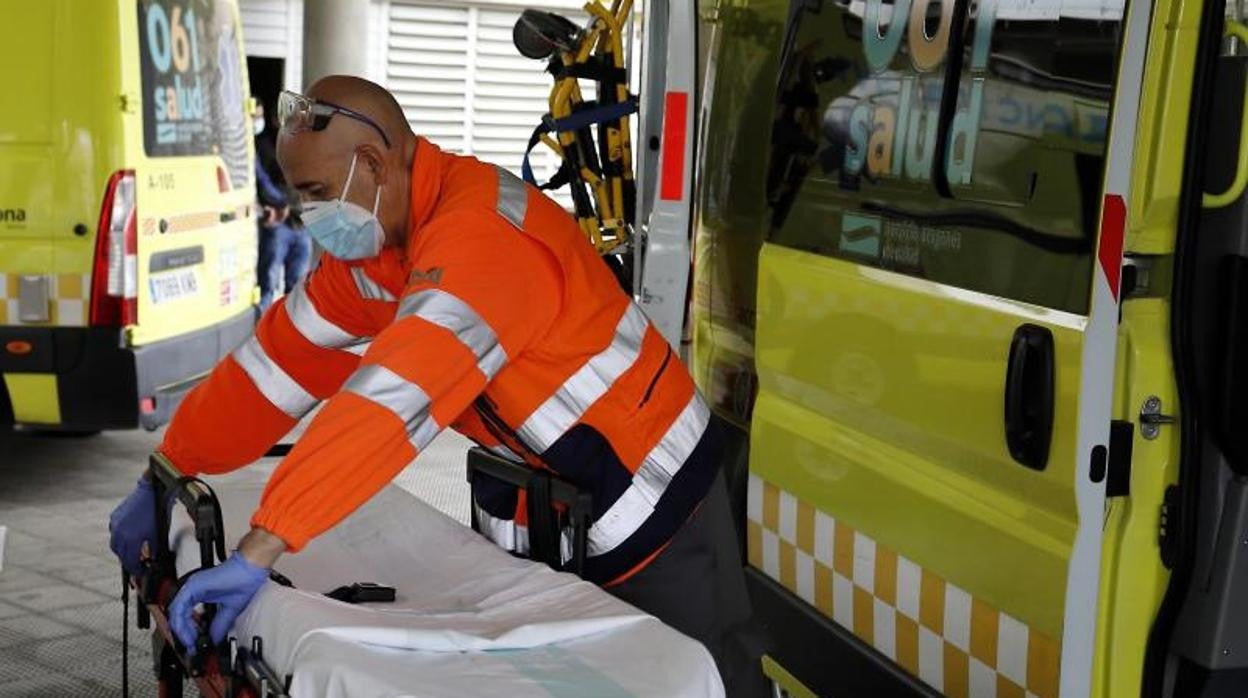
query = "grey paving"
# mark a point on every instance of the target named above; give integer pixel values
(60, 608)
(17, 632)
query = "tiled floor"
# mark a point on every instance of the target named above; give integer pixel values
(60, 586)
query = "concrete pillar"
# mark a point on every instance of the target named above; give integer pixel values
(335, 38)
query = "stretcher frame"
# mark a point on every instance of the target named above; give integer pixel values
(228, 670)
(597, 169)
(549, 499)
(233, 670)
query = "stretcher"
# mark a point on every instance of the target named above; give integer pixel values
(590, 136)
(466, 617)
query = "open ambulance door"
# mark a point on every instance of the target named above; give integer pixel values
(665, 158)
(938, 302)
(1199, 643)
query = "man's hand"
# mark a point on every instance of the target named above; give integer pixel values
(132, 524)
(270, 217)
(274, 217)
(230, 585)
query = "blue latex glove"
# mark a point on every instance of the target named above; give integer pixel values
(131, 524)
(230, 585)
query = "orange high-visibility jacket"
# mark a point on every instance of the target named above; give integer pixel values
(499, 320)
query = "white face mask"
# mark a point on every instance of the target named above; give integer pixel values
(346, 230)
(258, 125)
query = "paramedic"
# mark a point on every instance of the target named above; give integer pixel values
(454, 295)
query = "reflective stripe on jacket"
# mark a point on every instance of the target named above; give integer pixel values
(498, 319)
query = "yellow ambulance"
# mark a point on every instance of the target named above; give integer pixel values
(127, 241)
(971, 283)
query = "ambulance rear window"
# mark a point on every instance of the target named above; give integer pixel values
(194, 102)
(863, 110)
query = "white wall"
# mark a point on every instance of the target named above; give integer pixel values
(452, 65)
(274, 29)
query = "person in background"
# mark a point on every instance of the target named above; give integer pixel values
(284, 249)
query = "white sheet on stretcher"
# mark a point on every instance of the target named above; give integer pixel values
(468, 620)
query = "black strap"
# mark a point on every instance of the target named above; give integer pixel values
(207, 548)
(278, 450)
(217, 544)
(598, 69)
(125, 633)
(561, 177)
(583, 116)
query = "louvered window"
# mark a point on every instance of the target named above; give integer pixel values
(463, 84)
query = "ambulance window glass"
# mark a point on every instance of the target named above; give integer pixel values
(194, 100)
(851, 167)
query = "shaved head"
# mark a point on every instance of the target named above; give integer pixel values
(316, 163)
(365, 97)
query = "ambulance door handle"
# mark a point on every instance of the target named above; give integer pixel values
(1240, 182)
(1029, 396)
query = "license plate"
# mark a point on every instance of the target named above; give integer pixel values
(173, 285)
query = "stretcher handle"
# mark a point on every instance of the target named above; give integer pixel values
(579, 503)
(517, 474)
(200, 503)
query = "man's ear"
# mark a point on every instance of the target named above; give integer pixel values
(372, 160)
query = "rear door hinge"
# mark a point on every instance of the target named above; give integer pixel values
(1121, 440)
(1151, 418)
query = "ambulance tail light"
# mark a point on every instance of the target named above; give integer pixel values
(115, 278)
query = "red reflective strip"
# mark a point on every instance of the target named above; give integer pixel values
(675, 113)
(1113, 225)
